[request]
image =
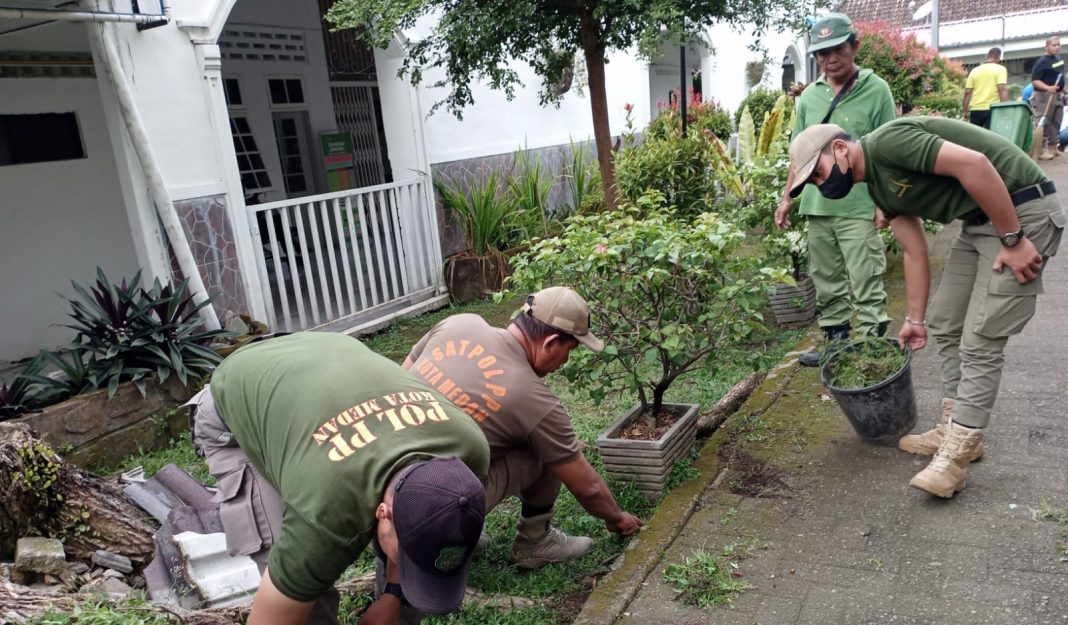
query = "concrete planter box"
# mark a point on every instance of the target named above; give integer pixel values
(794, 305)
(92, 431)
(648, 464)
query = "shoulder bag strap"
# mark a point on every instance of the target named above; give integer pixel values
(841, 93)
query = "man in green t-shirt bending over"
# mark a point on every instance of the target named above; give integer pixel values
(321, 446)
(941, 169)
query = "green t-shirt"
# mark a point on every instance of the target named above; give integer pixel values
(327, 422)
(899, 159)
(867, 106)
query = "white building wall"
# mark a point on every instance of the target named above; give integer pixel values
(303, 16)
(60, 219)
(725, 78)
(494, 125)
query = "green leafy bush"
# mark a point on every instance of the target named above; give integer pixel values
(19, 395)
(760, 101)
(701, 116)
(678, 167)
(482, 210)
(939, 105)
(667, 294)
(583, 180)
(127, 333)
(911, 68)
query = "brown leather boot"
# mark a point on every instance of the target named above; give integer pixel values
(927, 443)
(538, 543)
(944, 477)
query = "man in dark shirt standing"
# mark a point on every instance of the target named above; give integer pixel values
(1048, 80)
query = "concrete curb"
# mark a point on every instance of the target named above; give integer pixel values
(618, 588)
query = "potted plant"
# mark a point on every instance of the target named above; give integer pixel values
(794, 302)
(136, 353)
(871, 380)
(667, 294)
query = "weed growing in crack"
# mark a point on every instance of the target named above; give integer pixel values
(703, 581)
(1058, 514)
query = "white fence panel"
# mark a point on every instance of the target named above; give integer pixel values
(328, 259)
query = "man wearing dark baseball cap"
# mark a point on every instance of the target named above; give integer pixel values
(495, 375)
(320, 446)
(1011, 223)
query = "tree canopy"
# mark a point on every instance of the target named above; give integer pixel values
(478, 40)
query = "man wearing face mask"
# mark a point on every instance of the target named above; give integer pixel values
(847, 260)
(496, 376)
(1012, 221)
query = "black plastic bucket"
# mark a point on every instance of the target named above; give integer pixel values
(881, 413)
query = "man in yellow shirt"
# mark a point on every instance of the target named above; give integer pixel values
(985, 85)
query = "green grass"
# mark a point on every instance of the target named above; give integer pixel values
(1057, 514)
(180, 452)
(703, 580)
(127, 613)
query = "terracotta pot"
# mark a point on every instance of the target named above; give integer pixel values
(469, 277)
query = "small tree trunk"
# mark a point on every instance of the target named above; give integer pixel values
(40, 494)
(594, 51)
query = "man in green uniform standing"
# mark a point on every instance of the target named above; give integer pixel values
(320, 446)
(846, 252)
(941, 169)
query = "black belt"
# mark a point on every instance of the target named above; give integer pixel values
(1023, 196)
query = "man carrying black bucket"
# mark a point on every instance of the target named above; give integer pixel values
(940, 169)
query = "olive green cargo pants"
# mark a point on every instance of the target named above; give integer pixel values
(847, 262)
(975, 310)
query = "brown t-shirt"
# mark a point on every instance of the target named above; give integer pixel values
(484, 371)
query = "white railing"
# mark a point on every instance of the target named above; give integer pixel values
(325, 260)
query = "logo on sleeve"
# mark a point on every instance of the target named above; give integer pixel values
(901, 186)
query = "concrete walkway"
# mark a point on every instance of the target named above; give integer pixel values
(838, 536)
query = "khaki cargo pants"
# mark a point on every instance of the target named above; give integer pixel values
(975, 310)
(847, 262)
(250, 508)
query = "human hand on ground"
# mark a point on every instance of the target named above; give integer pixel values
(912, 335)
(782, 214)
(1023, 259)
(626, 525)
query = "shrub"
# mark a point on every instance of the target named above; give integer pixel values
(938, 105)
(759, 102)
(482, 211)
(583, 180)
(667, 295)
(701, 116)
(678, 167)
(127, 333)
(910, 67)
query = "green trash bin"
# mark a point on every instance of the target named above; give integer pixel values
(1012, 120)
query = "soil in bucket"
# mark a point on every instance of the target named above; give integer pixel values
(871, 379)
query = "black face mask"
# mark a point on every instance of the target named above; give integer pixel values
(838, 184)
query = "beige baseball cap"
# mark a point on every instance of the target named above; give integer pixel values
(805, 151)
(563, 309)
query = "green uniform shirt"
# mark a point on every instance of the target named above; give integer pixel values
(867, 106)
(327, 422)
(899, 159)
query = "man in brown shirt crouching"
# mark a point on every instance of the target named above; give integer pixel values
(495, 375)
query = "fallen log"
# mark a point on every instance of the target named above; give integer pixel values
(727, 405)
(40, 494)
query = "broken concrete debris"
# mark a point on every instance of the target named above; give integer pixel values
(114, 561)
(40, 555)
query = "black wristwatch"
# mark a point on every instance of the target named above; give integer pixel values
(395, 590)
(1011, 239)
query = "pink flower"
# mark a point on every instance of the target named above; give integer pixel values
(600, 248)
(628, 107)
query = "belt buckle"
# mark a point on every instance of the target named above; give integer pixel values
(1041, 192)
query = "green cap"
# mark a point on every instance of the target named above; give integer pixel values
(831, 30)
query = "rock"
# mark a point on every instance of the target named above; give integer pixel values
(136, 581)
(52, 589)
(68, 579)
(6, 569)
(40, 555)
(79, 568)
(110, 560)
(108, 587)
(112, 574)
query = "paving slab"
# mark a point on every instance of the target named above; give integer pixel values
(840, 537)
